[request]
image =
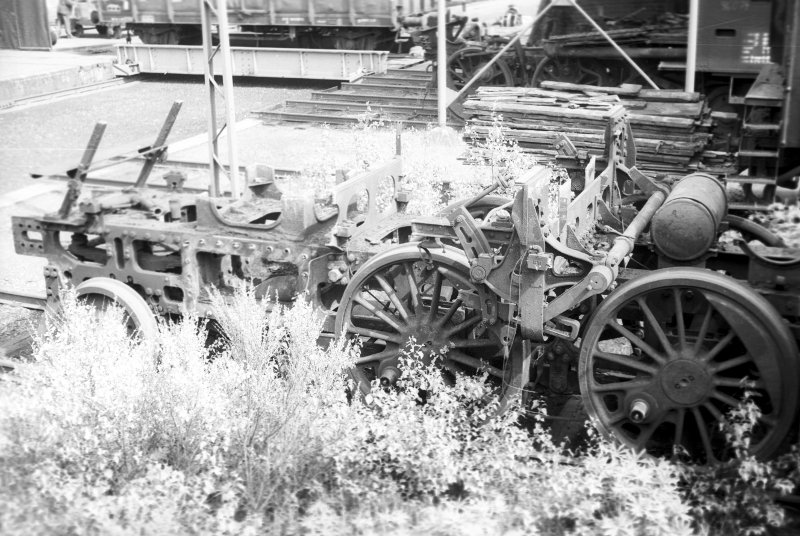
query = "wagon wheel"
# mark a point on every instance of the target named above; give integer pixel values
(101, 292)
(465, 63)
(667, 355)
(412, 292)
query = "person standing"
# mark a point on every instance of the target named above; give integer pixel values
(65, 15)
(512, 17)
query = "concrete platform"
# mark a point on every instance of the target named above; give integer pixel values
(71, 64)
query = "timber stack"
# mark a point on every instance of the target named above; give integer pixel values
(672, 129)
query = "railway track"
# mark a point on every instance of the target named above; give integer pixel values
(401, 95)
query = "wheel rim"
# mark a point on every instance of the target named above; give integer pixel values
(666, 356)
(412, 292)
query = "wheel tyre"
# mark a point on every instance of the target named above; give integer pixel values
(77, 30)
(102, 30)
(103, 290)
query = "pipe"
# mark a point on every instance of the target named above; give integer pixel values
(691, 45)
(441, 59)
(623, 244)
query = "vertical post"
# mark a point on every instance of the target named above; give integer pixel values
(691, 44)
(212, 9)
(441, 60)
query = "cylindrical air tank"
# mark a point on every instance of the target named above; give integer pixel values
(686, 225)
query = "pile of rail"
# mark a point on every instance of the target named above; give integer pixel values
(671, 32)
(399, 95)
(671, 128)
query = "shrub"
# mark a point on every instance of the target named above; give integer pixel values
(104, 435)
(738, 496)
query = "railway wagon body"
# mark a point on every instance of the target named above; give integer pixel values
(341, 24)
(733, 41)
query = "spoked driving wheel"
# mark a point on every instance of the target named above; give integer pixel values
(666, 356)
(424, 295)
(465, 63)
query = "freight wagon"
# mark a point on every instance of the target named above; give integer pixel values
(338, 24)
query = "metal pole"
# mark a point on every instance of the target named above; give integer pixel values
(230, 109)
(218, 9)
(502, 51)
(691, 45)
(613, 44)
(441, 59)
(207, 12)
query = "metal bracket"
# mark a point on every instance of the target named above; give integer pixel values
(474, 243)
(645, 183)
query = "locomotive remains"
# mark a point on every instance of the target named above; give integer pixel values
(626, 296)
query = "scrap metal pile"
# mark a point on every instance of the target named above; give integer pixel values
(672, 128)
(627, 300)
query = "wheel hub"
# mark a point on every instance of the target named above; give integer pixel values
(685, 382)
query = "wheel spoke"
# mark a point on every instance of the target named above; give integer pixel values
(464, 359)
(714, 411)
(413, 289)
(450, 312)
(723, 342)
(646, 348)
(626, 361)
(662, 337)
(701, 335)
(638, 383)
(466, 324)
(676, 294)
(646, 434)
(387, 288)
(704, 437)
(616, 418)
(391, 321)
(680, 420)
(724, 381)
(437, 294)
(769, 420)
(730, 363)
(375, 334)
(725, 399)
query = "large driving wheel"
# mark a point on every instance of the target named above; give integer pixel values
(412, 292)
(465, 63)
(101, 292)
(666, 356)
